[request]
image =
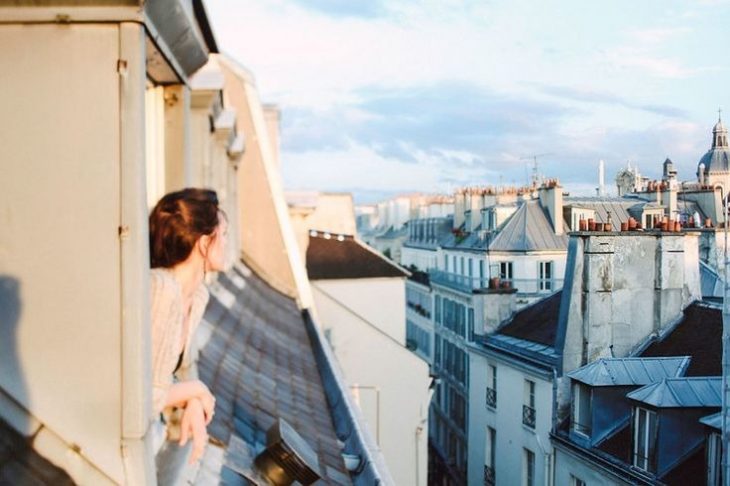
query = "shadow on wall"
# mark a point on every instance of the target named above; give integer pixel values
(12, 381)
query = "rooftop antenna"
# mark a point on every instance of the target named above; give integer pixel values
(535, 173)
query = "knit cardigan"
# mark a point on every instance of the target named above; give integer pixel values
(167, 329)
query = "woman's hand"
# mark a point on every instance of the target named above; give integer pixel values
(208, 402)
(193, 427)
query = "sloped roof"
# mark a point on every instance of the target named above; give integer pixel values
(630, 371)
(259, 363)
(699, 335)
(711, 285)
(528, 229)
(20, 464)
(618, 208)
(694, 392)
(344, 257)
(537, 323)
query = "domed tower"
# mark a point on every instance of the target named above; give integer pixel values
(716, 161)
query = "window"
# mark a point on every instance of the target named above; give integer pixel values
(575, 481)
(470, 323)
(481, 273)
(438, 309)
(446, 263)
(528, 467)
(505, 270)
(545, 271)
(714, 460)
(463, 271)
(437, 351)
(528, 407)
(489, 453)
(491, 386)
(453, 261)
(645, 435)
(581, 408)
(471, 267)
(650, 220)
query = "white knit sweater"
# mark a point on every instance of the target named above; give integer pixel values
(168, 329)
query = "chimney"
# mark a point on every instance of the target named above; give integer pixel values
(475, 202)
(272, 116)
(459, 203)
(492, 307)
(620, 289)
(551, 199)
(601, 179)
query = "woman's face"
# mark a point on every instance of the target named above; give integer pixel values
(216, 256)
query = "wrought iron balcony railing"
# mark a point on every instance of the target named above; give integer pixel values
(491, 398)
(528, 416)
(489, 476)
(468, 284)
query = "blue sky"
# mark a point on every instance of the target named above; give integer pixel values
(380, 98)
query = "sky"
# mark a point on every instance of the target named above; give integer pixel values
(380, 98)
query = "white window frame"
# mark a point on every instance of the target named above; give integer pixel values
(506, 270)
(528, 467)
(576, 481)
(543, 268)
(578, 426)
(643, 438)
(714, 459)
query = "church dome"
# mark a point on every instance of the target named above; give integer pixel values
(717, 159)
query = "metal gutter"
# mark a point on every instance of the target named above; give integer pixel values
(345, 415)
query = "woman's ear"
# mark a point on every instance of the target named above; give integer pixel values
(204, 245)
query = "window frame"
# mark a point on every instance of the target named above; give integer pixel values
(645, 433)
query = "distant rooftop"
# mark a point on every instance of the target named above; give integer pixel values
(331, 256)
(529, 229)
(537, 323)
(694, 392)
(630, 371)
(699, 335)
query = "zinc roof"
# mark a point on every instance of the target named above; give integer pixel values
(618, 208)
(528, 229)
(259, 363)
(694, 392)
(630, 371)
(714, 420)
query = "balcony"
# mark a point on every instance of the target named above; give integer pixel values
(489, 476)
(469, 284)
(491, 398)
(528, 416)
(419, 309)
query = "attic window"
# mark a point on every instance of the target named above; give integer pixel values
(581, 418)
(645, 438)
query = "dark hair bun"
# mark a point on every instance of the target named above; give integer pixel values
(177, 221)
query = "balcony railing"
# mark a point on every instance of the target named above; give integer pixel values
(489, 476)
(419, 309)
(491, 398)
(528, 416)
(468, 284)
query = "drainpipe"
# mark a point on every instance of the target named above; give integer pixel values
(725, 354)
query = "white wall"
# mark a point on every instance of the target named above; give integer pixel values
(390, 383)
(512, 435)
(423, 259)
(380, 301)
(567, 465)
(60, 205)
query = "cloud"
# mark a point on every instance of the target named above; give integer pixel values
(350, 8)
(588, 95)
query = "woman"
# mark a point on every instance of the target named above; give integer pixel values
(187, 240)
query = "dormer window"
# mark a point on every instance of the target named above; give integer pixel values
(645, 435)
(581, 418)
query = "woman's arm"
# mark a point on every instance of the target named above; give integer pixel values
(193, 427)
(181, 393)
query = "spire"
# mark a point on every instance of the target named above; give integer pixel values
(719, 132)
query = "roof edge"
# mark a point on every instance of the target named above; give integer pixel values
(349, 424)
